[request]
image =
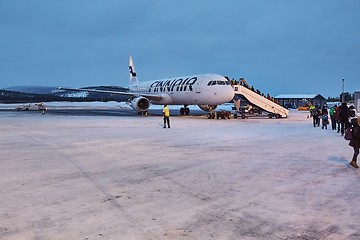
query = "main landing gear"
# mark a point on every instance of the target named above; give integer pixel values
(184, 110)
(145, 113)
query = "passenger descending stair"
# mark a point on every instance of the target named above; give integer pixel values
(262, 102)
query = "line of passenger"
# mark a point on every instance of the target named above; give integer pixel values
(243, 83)
(339, 116)
(345, 119)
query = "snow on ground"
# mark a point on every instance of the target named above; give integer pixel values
(125, 177)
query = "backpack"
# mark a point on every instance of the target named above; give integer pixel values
(348, 134)
(332, 111)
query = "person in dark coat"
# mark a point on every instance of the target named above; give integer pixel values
(324, 110)
(333, 117)
(314, 114)
(355, 141)
(344, 117)
(319, 115)
(337, 116)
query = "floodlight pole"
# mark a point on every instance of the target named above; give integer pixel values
(342, 95)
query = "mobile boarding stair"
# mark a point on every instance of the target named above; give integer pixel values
(274, 109)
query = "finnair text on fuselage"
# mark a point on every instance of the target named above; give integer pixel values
(171, 85)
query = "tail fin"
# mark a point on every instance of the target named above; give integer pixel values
(133, 78)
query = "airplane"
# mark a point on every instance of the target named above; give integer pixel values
(205, 90)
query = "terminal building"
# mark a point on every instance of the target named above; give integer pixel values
(298, 100)
(357, 101)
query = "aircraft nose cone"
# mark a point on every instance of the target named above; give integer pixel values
(231, 93)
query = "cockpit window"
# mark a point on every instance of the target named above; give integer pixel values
(218, 82)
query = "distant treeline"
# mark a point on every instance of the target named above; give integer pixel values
(21, 97)
(346, 97)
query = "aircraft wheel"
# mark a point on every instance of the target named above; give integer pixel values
(235, 115)
(211, 115)
(182, 111)
(187, 111)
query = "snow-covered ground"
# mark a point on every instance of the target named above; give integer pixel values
(125, 177)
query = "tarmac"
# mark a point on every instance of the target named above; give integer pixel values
(116, 175)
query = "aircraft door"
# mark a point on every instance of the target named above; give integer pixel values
(197, 86)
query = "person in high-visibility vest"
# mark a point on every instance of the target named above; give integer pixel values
(313, 113)
(166, 114)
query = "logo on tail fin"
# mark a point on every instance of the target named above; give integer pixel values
(133, 74)
(133, 78)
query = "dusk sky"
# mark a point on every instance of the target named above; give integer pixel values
(278, 46)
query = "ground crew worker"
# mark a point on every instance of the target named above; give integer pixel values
(166, 114)
(311, 109)
(313, 113)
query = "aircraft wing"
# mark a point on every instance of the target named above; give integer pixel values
(131, 94)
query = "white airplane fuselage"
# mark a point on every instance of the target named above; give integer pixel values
(205, 90)
(202, 89)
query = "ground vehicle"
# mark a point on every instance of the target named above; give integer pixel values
(219, 114)
(305, 107)
(251, 111)
(33, 107)
(246, 110)
(223, 114)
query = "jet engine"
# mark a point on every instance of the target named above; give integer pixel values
(207, 108)
(140, 104)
